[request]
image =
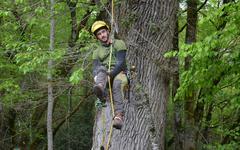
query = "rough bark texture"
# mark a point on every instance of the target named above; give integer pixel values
(148, 29)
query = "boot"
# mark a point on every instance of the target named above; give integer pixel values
(99, 92)
(118, 121)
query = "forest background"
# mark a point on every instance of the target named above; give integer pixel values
(202, 110)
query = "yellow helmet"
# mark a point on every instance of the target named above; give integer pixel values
(97, 25)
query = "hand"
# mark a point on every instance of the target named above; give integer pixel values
(109, 74)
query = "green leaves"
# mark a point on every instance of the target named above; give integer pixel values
(20, 1)
(4, 13)
(77, 76)
(214, 57)
(24, 55)
(213, 73)
(35, 59)
(171, 54)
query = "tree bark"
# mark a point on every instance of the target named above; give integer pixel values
(177, 105)
(149, 34)
(50, 86)
(73, 14)
(191, 34)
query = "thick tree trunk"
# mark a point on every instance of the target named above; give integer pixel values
(149, 35)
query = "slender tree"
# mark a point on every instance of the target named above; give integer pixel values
(50, 78)
(177, 108)
(191, 35)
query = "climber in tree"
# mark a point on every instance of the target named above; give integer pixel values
(118, 70)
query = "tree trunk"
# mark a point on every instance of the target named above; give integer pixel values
(76, 27)
(50, 86)
(177, 105)
(149, 34)
(191, 32)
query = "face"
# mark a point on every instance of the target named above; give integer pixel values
(103, 35)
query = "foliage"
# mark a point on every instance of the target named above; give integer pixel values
(24, 53)
(214, 72)
(24, 50)
(214, 58)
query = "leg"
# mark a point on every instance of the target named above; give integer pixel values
(100, 83)
(119, 83)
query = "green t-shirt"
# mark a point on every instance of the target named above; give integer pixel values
(103, 52)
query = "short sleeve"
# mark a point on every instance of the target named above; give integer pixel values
(95, 51)
(95, 54)
(120, 45)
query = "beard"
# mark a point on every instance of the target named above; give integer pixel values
(104, 39)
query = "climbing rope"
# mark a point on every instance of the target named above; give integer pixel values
(109, 80)
(109, 63)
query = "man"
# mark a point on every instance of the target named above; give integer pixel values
(117, 74)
